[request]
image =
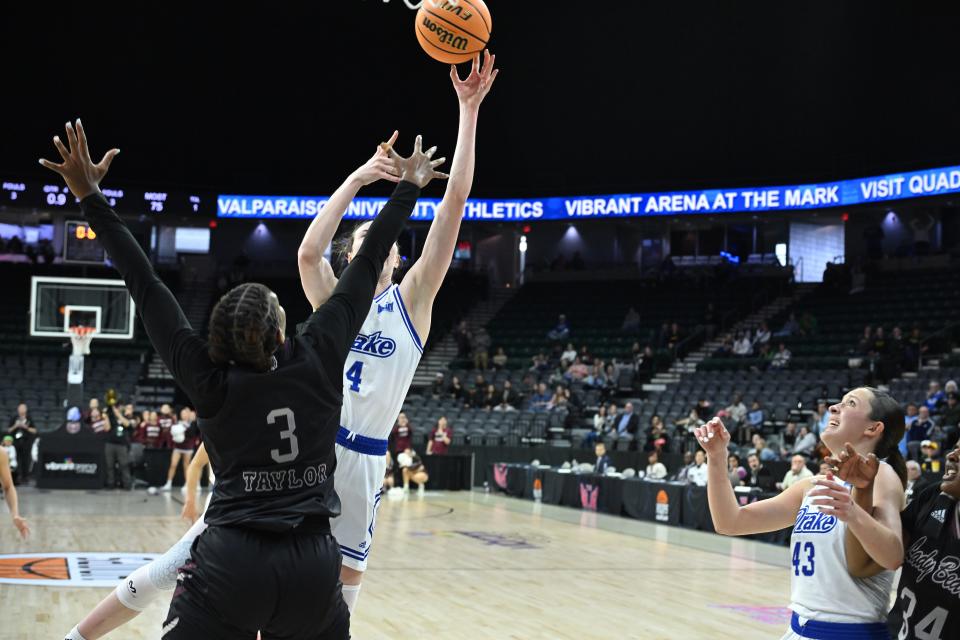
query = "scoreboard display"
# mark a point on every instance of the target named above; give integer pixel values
(51, 196)
(80, 243)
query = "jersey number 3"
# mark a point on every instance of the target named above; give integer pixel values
(286, 434)
(353, 375)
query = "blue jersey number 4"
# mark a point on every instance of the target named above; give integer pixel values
(807, 565)
(353, 375)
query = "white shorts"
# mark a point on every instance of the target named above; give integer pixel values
(358, 480)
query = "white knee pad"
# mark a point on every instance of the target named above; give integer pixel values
(144, 585)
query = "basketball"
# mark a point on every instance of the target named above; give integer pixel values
(453, 32)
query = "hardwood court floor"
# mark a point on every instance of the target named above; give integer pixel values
(454, 565)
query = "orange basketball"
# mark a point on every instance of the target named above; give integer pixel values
(453, 31)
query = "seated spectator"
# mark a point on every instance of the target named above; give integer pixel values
(788, 438)
(475, 393)
(412, 469)
(631, 323)
(910, 415)
(762, 336)
(798, 471)
(599, 427)
(644, 362)
(508, 396)
(880, 344)
(704, 409)
(568, 356)
(755, 418)
(561, 331)
(540, 363)
(790, 328)
(597, 378)
(540, 399)
(930, 459)
(490, 398)
(440, 438)
(737, 410)
(758, 477)
(735, 472)
(559, 399)
(585, 356)
(657, 437)
(761, 450)
(951, 387)
(439, 386)
(950, 416)
(921, 429)
(819, 420)
(683, 475)
(500, 359)
(577, 371)
(628, 421)
(866, 341)
(935, 397)
(742, 346)
(725, 350)
(480, 345)
(698, 474)
(462, 338)
(806, 442)
(781, 359)
(456, 390)
(611, 418)
(915, 480)
(603, 460)
(655, 469)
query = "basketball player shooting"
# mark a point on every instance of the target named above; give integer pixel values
(387, 351)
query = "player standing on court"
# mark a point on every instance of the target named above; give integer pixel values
(834, 593)
(386, 352)
(267, 560)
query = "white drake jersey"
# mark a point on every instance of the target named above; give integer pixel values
(380, 367)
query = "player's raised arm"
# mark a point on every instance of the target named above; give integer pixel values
(729, 518)
(316, 274)
(181, 349)
(10, 495)
(421, 284)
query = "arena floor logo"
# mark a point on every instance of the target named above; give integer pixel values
(70, 569)
(490, 538)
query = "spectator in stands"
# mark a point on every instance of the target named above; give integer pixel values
(462, 338)
(935, 397)
(23, 431)
(611, 379)
(725, 350)
(475, 393)
(440, 438)
(149, 433)
(781, 359)
(490, 398)
(704, 409)
(765, 356)
(93, 404)
(798, 471)
(500, 359)
(540, 362)
(915, 480)
(600, 420)
(603, 460)
(762, 336)
(808, 324)
(806, 442)
(597, 378)
(790, 328)
(676, 336)
(911, 415)
(735, 472)
(683, 475)
(628, 422)
(657, 437)
(610, 421)
(698, 474)
(762, 450)
(951, 387)
(755, 418)
(585, 356)
(116, 450)
(540, 399)
(921, 429)
(568, 356)
(880, 344)
(643, 360)
(736, 410)
(456, 390)
(788, 438)
(559, 399)
(631, 323)
(412, 469)
(561, 331)
(950, 416)
(439, 386)
(655, 469)
(819, 420)
(865, 346)
(742, 347)
(577, 371)
(401, 438)
(758, 477)
(930, 458)
(480, 345)
(509, 399)
(166, 418)
(99, 423)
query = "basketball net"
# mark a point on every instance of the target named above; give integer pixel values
(81, 337)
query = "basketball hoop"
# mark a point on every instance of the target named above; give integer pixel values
(81, 337)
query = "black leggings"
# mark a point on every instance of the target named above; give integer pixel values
(240, 581)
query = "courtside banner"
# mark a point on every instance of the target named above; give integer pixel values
(827, 195)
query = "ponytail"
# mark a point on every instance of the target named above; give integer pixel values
(883, 408)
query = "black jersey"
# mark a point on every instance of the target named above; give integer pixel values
(928, 594)
(270, 435)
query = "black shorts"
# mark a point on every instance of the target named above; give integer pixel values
(240, 581)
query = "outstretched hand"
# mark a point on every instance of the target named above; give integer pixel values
(854, 468)
(78, 170)
(379, 166)
(189, 511)
(476, 86)
(713, 437)
(22, 527)
(419, 167)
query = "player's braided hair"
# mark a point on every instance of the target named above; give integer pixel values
(243, 327)
(884, 408)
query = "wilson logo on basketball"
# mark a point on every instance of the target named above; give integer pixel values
(663, 506)
(814, 522)
(375, 345)
(444, 36)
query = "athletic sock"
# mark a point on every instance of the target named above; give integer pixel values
(74, 634)
(350, 594)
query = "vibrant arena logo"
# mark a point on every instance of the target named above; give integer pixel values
(445, 36)
(81, 468)
(375, 345)
(813, 521)
(70, 569)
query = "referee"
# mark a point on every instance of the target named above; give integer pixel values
(268, 411)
